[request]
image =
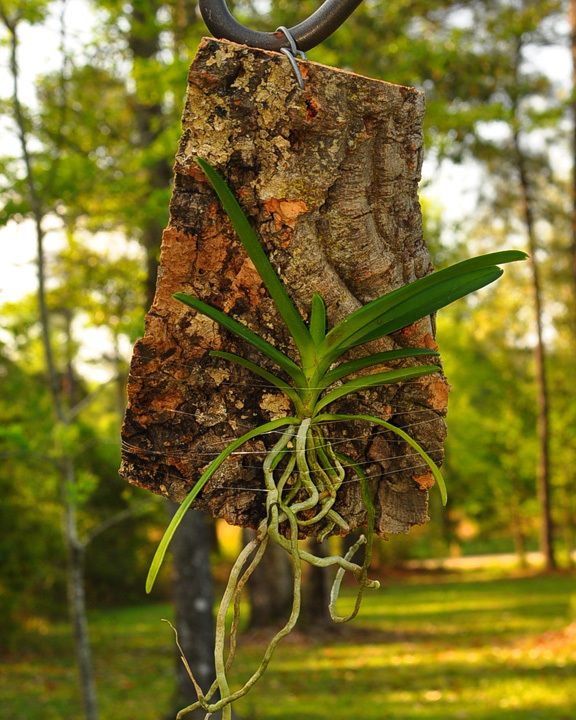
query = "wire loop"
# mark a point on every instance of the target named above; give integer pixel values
(291, 54)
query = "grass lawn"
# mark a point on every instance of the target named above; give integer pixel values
(467, 646)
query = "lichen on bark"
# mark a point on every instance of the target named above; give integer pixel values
(329, 178)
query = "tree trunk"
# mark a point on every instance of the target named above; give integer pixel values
(194, 602)
(517, 528)
(38, 213)
(74, 545)
(76, 592)
(316, 591)
(329, 177)
(571, 516)
(572, 19)
(543, 470)
(270, 587)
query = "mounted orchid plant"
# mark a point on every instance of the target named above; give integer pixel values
(303, 471)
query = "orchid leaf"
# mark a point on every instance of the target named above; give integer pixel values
(318, 319)
(366, 381)
(380, 358)
(200, 483)
(253, 247)
(394, 301)
(266, 348)
(287, 389)
(423, 304)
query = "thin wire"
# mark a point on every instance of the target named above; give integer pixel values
(345, 482)
(335, 440)
(213, 454)
(374, 461)
(342, 440)
(394, 414)
(332, 439)
(291, 54)
(365, 462)
(263, 385)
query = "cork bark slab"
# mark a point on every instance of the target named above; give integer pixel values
(329, 178)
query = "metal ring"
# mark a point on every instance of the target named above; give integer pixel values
(307, 34)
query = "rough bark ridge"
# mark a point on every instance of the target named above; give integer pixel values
(329, 178)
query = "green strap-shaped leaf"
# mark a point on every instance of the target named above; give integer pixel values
(353, 366)
(373, 310)
(419, 449)
(423, 304)
(366, 381)
(289, 391)
(318, 319)
(202, 480)
(251, 242)
(283, 361)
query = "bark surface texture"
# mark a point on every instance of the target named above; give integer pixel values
(329, 178)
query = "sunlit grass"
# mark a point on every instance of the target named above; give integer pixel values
(473, 647)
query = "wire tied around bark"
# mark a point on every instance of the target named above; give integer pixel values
(291, 54)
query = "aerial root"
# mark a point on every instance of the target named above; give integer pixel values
(310, 474)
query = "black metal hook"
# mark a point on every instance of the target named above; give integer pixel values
(307, 34)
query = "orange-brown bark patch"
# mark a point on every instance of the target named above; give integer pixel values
(312, 108)
(418, 334)
(211, 254)
(246, 285)
(438, 391)
(178, 251)
(285, 212)
(425, 482)
(429, 342)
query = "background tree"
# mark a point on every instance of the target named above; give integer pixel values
(62, 383)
